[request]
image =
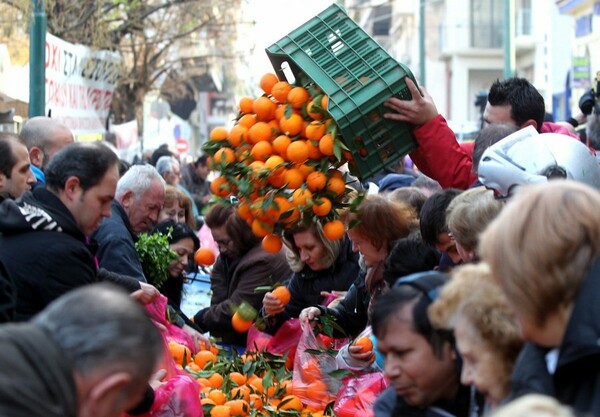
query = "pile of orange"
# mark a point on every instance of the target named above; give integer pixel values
(255, 384)
(281, 160)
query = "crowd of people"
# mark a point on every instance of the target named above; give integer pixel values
(473, 267)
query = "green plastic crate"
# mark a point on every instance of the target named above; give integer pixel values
(358, 75)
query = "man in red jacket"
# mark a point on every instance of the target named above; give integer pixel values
(439, 155)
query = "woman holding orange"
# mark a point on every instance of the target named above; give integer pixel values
(321, 267)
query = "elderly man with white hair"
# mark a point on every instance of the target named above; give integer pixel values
(139, 197)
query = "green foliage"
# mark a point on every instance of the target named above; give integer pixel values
(155, 255)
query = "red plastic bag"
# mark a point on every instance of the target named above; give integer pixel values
(311, 380)
(157, 311)
(285, 339)
(358, 394)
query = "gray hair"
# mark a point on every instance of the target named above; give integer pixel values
(99, 328)
(165, 164)
(138, 179)
(39, 131)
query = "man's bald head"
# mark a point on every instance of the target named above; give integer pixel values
(44, 137)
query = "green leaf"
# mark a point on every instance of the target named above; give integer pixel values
(340, 373)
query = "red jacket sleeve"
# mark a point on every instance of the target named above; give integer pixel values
(440, 156)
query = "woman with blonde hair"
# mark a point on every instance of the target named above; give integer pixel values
(321, 267)
(543, 251)
(485, 329)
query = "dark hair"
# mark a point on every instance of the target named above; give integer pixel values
(489, 135)
(7, 156)
(433, 214)
(162, 150)
(524, 99)
(123, 167)
(178, 230)
(408, 256)
(421, 289)
(201, 160)
(237, 229)
(87, 161)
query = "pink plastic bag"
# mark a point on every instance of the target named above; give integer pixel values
(157, 311)
(358, 394)
(177, 398)
(286, 338)
(311, 380)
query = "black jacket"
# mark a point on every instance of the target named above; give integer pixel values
(306, 286)
(466, 404)
(43, 251)
(576, 381)
(352, 313)
(116, 244)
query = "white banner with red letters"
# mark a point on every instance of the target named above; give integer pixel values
(79, 84)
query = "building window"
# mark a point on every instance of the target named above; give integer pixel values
(487, 23)
(583, 25)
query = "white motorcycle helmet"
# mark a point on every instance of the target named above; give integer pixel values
(527, 157)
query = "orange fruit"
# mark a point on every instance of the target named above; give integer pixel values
(256, 401)
(365, 343)
(336, 185)
(282, 294)
(316, 181)
(317, 390)
(239, 324)
(277, 179)
(325, 145)
(216, 380)
(224, 156)
(238, 407)
(306, 169)
(297, 152)
(293, 178)
(290, 402)
(220, 186)
(238, 378)
(261, 151)
(204, 356)
(275, 164)
(260, 131)
(313, 111)
(272, 243)
(267, 81)
(242, 392)
(204, 382)
(334, 230)
(245, 105)
(180, 353)
(217, 396)
(207, 401)
(257, 384)
(280, 91)
(301, 197)
(220, 411)
(315, 130)
(291, 125)
(247, 120)
(218, 134)
(321, 206)
(313, 150)
(260, 229)
(297, 97)
(205, 257)
(324, 102)
(280, 145)
(237, 135)
(264, 108)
